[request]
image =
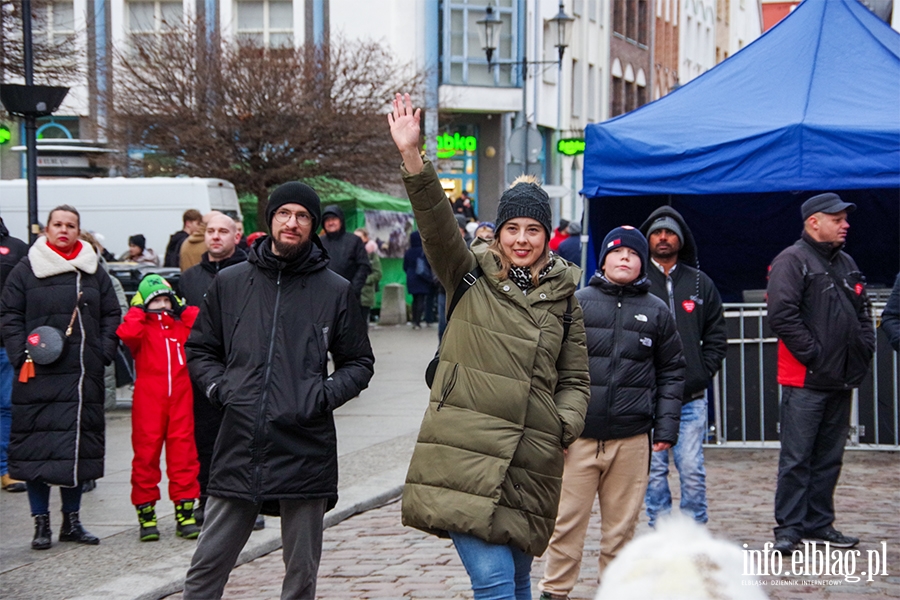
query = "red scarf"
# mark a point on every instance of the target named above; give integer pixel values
(70, 255)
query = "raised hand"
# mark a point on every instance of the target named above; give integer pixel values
(404, 123)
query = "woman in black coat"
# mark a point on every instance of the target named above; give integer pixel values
(419, 280)
(58, 425)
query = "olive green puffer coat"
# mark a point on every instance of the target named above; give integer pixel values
(508, 395)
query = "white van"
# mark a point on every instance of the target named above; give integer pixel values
(119, 207)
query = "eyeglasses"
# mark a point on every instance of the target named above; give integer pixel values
(284, 215)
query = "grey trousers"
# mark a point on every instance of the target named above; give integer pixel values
(227, 526)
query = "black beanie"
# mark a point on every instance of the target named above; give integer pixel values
(626, 236)
(525, 200)
(294, 192)
(139, 241)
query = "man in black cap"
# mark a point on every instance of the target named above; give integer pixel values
(346, 252)
(819, 310)
(260, 350)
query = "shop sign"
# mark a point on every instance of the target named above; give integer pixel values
(449, 146)
(570, 146)
(5, 135)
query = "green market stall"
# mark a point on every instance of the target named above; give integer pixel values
(388, 219)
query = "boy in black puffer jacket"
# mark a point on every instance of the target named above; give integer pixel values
(637, 380)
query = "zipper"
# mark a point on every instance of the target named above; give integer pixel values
(449, 387)
(611, 393)
(260, 407)
(169, 365)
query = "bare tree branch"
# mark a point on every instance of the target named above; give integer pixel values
(259, 117)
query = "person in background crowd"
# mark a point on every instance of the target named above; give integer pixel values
(254, 236)
(260, 351)
(346, 252)
(694, 301)
(465, 206)
(139, 253)
(637, 380)
(155, 330)
(890, 317)
(222, 251)
(59, 284)
(485, 231)
(191, 220)
(109, 374)
(559, 234)
(242, 240)
(96, 240)
(820, 312)
(570, 248)
(419, 278)
(367, 298)
(194, 246)
(512, 385)
(12, 250)
(442, 293)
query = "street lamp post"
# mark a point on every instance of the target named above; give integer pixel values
(31, 101)
(490, 35)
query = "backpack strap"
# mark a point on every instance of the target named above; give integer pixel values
(567, 319)
(467, 281)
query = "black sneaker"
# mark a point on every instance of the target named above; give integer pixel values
(784, 545)
(832, 536)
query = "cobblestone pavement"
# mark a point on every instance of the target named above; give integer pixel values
(372, 556)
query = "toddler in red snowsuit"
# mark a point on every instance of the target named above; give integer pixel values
(162, 411)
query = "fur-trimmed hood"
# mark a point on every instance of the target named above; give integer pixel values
(47, 263)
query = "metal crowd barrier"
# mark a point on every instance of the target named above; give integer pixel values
(746, 394)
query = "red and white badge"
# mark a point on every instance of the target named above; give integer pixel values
(34, 339)
(689, 305)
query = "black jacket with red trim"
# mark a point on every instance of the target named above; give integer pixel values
(826, 335)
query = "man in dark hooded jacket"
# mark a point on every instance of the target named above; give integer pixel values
(260, 352)
(12, 250)
(346, 252)
(675, 278)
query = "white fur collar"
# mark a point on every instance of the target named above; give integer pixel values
(47, 263)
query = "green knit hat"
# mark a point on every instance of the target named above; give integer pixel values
(151, 286)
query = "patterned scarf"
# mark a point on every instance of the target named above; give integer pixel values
(521, 276)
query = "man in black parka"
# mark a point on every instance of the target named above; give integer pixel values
(819, 310)
(260, 351)
(346, 253)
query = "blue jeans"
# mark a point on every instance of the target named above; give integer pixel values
(39, 498)
(688, 453)
(6, 382)
(497, 572)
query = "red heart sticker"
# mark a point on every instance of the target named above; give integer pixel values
(4, 250)
(689, 305)
(858, 289)
(34, 339)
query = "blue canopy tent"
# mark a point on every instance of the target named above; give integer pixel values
(813, 105)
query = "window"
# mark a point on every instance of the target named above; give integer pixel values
(268, 23)
(618, 88)
(631, 20)
(643, 36)
(630, 98)
(592, 104)
(147, 20)
(619, 16)
(592, 10)
(577, 89)
(54, 22)
(463, 61)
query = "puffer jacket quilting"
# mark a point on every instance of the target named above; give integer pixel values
(508, 395)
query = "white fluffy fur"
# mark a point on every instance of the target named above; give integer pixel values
(678, 561)
(47, 263)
